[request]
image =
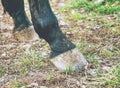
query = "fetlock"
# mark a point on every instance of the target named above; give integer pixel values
(61, 45)
(21, 21)
(16, 10)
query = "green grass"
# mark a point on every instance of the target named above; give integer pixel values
(16, 84)
(81, 45)
(93, 59)
(106, 53)
(108, 7)
(3, 71)
(69, 70)
(32, 60)
(76, 16)
(112, 79)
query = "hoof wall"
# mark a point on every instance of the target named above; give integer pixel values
(27, 34)
(72, 59)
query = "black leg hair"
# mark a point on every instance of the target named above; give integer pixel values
(15, 8)
(46, 25)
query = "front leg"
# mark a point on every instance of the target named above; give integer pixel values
(63, 51)
(46, 25)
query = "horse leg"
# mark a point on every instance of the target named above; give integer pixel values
(23, 29)
(64, 52)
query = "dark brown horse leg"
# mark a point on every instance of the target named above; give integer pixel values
(45, 23)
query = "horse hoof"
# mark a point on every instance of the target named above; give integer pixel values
(27, 34)
(71, 59)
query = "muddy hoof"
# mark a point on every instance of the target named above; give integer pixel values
(27, 34)
(72, 59)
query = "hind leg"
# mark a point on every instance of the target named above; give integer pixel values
(23, 29)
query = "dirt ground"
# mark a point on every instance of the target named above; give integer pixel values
(15, 72)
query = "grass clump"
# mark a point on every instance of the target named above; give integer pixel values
(112, 79)
(32, 60)
(81, 45)
(16, 84)
(93, 58)
(106, 53)
(3, 71)
(69, 70)
(106, 7)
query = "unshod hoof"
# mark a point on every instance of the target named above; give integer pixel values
(71, 59)
(27, 34)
